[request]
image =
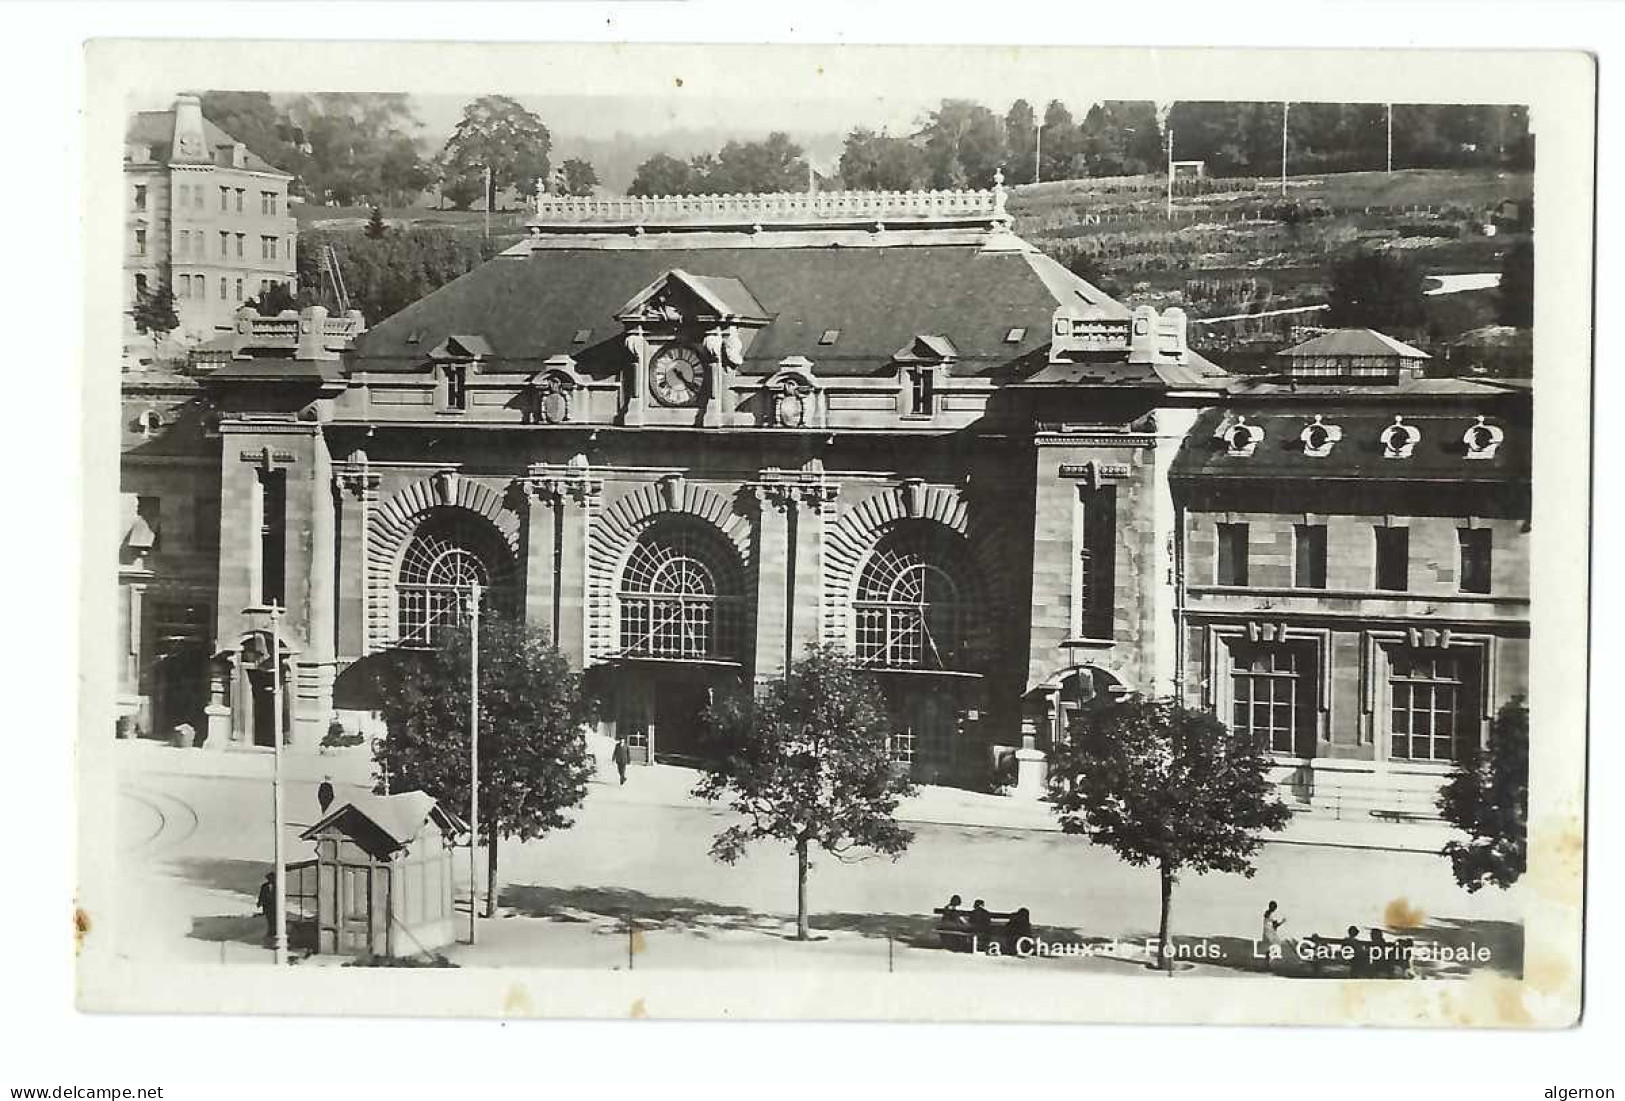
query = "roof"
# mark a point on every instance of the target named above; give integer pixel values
(1353, 342)
(157, 129)
(1439, 455)
(1197, 373)
(1269, 385)
(530, 306)
(399, 817)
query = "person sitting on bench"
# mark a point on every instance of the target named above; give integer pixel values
(1018, 929)
(981, 926)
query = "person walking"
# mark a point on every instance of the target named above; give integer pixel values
(622, 756)
(1270, 935)
(267, 905)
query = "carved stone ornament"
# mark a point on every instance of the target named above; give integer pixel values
(1482, 440)
(1241, 438)
(672, 490)
(1399, 439)
(1318, 438)
(912, 491)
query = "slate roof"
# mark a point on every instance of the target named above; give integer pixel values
(1440, 455)
(530, 306)
(1353, 342)
(157, 129)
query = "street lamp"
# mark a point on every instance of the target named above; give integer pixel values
(473, 755)
(254, 655)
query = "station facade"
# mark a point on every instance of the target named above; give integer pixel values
(691, 437)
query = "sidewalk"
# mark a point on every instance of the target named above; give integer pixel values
(671, 786)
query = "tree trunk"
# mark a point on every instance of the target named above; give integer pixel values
(801, 889)
(1165, 958)
(491, 877)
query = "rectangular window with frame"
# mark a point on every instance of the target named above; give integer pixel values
(225, 199)
(141, 196)
(1272, 695)
(1393, 571)
(456, 386)
(140, 242)
(1309, 543)
(223, 289)
(1432, 703)
(273, 536)
(922, 386)
(1097, 563)
(197, 197)
(225, 244)
(239, 246)
(239, 290)
(239, 200)
(1475, 559)
(1232, 556)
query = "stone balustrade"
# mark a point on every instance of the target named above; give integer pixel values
(784, 208)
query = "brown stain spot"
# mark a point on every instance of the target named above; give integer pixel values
(1557, 859)
(517, 1003)
(1400, 914)
(81, 927)
(638, 944)
(638, 1012)
(677, 80)
(1546, 972)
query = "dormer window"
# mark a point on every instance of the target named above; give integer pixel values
(1015, 335)
(1399, 440)
(922, 391)
(456, 385)
(1482, 440)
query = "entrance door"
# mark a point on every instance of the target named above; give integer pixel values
(679, 726)
(924, 723)
(259, 683)
(180, 687)
(355, 910)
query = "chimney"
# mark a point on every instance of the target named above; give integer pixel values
(188, 146)
(313, 334)
(1171, 330)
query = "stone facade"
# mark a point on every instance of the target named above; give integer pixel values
(692, 438)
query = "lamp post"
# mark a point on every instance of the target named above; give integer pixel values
(273, 614)
(473, 754)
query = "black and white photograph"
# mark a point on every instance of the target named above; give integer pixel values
(967, 541)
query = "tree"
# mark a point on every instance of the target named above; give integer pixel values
(662, 174)
(1487, 797)
(357, 146)
(534, 763)
(756, 166)
(807, 761)
(1159, 783)
(1021, 139)
(578, 177)
(498, 133)
(1062, 143)
(1515, 296)
(964, 144)
(154, 311)
(879, 162)
(274, 300)
(1378, 290)
(253, 119)
(376, 226)
(384, 275)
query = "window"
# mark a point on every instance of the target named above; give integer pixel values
(912, 610)
(1309, 540)
(1475, 559)
(200, 286)
(197, 197)
(225, 199)
(273, 528)
(239, 201)
(140, 242)
(1272, 695)
(239, 290)
(1097, 563)
(185, 286)
(921, 391)
(829, 336)
(239, 246)
(223, 288)
(1015, 335)
(225, 246)
(1393, 558)
(265, 202)
(140, 284)
(1232, 557)
(456, 385)
(272, 242)
(1432, 703)
(265, 248)
(451, 550)
(181, 196)
(681, 593)
(141, 196)
(150, 509)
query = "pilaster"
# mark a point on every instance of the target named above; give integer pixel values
(356, 487)
(562, 506)
(794, 511)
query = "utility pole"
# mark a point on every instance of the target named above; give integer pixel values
(1390, 139)
(1285, 108)
(473, 755)
(1038, 151)
(281, 884)
(1170, 173)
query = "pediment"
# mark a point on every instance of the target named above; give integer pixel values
(927, 348)
(678, 296)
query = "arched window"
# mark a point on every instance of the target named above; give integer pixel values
(681, 594)
(451, 550)
(912, 607)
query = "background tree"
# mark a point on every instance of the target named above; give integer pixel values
(1021, 141)
(1062, 143)
(376, 226)
(577, 177)
(1159, 783)
(154, 311)
(498, 133)
(356, 147)
(534, 763)
(272, 301)
(1378, 290)
(1487, 797)
(964, 144)
(253, 119)
(662, 174)
(880, 162)
(749, 167)
(1515, 296)
(807, 761)
(386, 274)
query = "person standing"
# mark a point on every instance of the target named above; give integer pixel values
(622, 756)
(267, 904)
(1270, 935)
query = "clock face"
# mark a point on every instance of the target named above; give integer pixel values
(677, 376)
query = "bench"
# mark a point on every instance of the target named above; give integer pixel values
(1362, 959)
(1389, 815)
(957, 935)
